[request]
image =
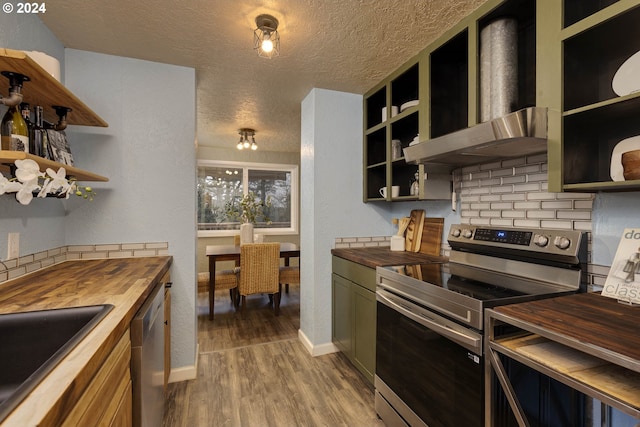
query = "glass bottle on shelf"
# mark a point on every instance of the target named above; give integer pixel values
(40, 134)
(415, 186)
(14, 134)
(25, 110)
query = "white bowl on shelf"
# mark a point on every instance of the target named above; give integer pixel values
(409, 104)
(627, 78)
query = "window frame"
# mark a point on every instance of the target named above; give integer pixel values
(291, 168)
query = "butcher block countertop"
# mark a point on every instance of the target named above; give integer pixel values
(379, 256)
(123, 282)
(591, 341)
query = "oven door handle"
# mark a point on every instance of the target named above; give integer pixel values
(469, 342)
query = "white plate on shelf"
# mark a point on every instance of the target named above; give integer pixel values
(627, 78)
(408, 104)
(629, 144)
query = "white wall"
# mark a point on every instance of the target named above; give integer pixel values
(41, 224)
(148, 154)
(331, 201)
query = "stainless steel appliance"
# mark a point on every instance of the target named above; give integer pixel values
(429, 336)
(147, 361)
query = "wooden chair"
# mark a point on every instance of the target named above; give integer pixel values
(259, 272)
(225, 279)
(289, 275)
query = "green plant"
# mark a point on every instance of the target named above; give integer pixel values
(248, 209)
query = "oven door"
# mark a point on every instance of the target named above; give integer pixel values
(429, 370)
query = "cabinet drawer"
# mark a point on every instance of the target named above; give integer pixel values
(358, 273)
(101, 398)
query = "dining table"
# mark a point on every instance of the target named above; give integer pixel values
(217, 253)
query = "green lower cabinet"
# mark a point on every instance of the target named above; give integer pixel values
(354, 314)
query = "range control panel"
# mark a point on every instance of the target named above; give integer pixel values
(536, 242)
(512, 237)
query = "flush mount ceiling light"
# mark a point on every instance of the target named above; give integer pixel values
(244, 142)
(266, 40)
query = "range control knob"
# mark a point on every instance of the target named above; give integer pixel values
(455, 232)
(466, 233)
(541, 240)
(562, 242)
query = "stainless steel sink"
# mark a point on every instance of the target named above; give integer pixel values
(33, 343)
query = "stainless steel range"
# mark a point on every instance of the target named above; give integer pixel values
(429, 336)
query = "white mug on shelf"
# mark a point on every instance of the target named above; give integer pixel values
(395, 191)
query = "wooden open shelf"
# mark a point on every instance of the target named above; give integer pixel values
(577, 367)
(46, 91)
(8, 157)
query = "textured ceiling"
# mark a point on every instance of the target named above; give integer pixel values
(344, 45)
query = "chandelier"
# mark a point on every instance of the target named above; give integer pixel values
(244, 142)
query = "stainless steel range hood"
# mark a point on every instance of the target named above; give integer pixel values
(517, 134)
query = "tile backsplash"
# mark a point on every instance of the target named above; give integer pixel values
(513, 193)
(14, 268)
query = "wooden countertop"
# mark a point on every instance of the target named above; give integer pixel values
(124, 282)
(378, 256)
(588, 319)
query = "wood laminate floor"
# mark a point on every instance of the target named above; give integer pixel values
(253, 371)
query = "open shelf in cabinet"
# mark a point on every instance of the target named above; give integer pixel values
(374, 105)
(595, 119)
(9, 157)
(449, 86)
(405, 88)
(592, 57)
(46, 91)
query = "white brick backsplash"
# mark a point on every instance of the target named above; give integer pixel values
(538, 214)
(536, 177)
(514, 214)
(502, 206)
(518, 179)
(526, 223)
(541, 196)
(480, 206)
(526, 205)
(490, 214)
(565, 225)
(574, 215)
(490, 198)
(527, 169)
(502, 189)
(583, 204)
(559, 204)
(32, 262)
(513, 197)
(490, 182)
(526, 187)
(502, 172)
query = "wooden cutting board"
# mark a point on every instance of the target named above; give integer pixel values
(413, 234)
(432, 236)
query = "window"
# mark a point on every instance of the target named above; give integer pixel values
(222, 184)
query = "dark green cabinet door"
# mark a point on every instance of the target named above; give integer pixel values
(341, 329)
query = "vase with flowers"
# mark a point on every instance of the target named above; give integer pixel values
(248, 210)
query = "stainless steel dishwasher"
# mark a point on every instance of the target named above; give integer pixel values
(147, 361)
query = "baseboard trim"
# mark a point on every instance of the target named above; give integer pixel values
(185, 373)
(316, 350)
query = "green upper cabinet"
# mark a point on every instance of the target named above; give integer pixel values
(435, 94)
(600, 97)
(569, 52)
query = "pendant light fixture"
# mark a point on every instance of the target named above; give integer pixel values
(266, 39)
(244, 142)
